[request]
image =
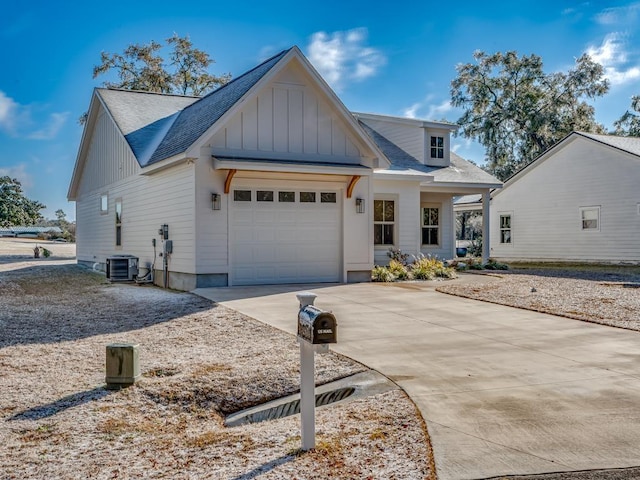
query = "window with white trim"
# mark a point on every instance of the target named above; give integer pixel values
(383, 222)
(104, 203)
(430, 226)
(119, 222)
(437, 147)
(505, 228)
(590, 218)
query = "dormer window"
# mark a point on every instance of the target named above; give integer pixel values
(437, 147)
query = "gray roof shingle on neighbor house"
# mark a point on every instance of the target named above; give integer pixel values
(460, 171)
(192, 122)
(628, 144)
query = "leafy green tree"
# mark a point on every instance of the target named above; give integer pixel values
(190, 68)
(15, 208)
(517, 111)
(141, 67)
(628, 125)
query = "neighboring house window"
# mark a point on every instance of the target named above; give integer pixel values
(383, 222)
(104, 203)
(118, 223)
(505, 228)
(437, 147)
(590, 218)
(430, 226)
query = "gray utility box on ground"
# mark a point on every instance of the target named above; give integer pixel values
(122, 365)
(122, 268)
(317, 326)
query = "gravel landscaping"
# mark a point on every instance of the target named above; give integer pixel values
(605, 295)
(200, 361)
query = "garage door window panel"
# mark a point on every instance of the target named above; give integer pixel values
(286, 197)
(308, 197)
(242, 195)
(264, 196)
(328, 197)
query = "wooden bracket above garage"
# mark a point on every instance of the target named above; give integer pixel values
(227, 182)
(352, 184)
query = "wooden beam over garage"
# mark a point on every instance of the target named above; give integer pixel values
(352, 185)
(227, 182)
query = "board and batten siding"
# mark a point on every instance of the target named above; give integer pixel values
(109, 158)
(545, 202)
(288, 119)
(445, 249)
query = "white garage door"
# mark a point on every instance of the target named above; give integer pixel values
(285, 236)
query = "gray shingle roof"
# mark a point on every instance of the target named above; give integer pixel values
(460, 171)
(143, 117)
(196, 119)
(159, 126)
(628, 144)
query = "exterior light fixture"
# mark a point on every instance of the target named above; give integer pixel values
(216, 201)
(359, 205)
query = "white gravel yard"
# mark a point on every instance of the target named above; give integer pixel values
(605, 295)
(200, 361)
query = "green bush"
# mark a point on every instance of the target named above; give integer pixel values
(429, 268)
(493, 265)
(398, 270)
(45, 252)
(382, 274)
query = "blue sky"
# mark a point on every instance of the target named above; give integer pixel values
(380, 58)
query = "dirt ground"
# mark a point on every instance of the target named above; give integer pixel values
(200, 361)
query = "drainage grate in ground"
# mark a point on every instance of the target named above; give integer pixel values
(355, 386)
(292, 408)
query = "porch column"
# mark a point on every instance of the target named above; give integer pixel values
(486, 250)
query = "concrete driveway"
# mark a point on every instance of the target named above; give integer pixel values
(503, 391)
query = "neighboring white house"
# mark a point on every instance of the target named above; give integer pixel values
(268, 179)
(579, 201)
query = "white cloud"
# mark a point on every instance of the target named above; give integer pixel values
(611, 54)
(411, 111)
(7, 109)
(342, 56)
(51, 129)
(434, 111)
(437, 112)
(619, 15)
(18, 172)
(17, 120)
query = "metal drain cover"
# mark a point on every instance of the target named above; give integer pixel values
(346, 389)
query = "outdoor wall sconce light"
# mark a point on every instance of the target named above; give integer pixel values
(216, 201)
(359, 205)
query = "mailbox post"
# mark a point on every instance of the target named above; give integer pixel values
(316, 330)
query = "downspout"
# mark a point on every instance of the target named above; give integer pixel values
(486, 250)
